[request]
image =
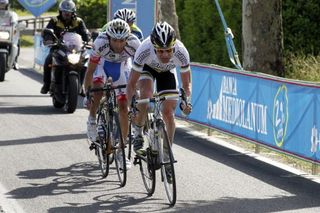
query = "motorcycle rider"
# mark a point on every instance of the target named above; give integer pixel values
(66, 20)
(4, 6)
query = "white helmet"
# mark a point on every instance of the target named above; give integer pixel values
(125, 14)
(4, 4)
(118, 29)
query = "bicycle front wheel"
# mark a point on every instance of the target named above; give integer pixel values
(118, 148)
(167, 165)
(148, 172)
(101, 149)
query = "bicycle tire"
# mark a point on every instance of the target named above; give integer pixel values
(148, 172)
(101, 150)
(130, 138)
(118, 147)
(167, 165)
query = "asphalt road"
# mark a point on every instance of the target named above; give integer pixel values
(46, 166)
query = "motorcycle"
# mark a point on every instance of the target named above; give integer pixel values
(9, 41)
(70, 57)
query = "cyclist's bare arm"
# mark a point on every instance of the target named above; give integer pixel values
(186, 82)
(186, 77)
(131, 86)
(89, 75)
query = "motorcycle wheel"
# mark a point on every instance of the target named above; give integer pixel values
(73, 89)
(3, 66)
(56, 103)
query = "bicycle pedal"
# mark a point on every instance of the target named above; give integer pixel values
(92, 146)
(136, 160)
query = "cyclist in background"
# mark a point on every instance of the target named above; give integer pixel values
(129, 16)
(111, 57)
(157, 59)
(67, 19)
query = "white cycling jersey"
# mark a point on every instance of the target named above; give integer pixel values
(146, 55)
(101, 49)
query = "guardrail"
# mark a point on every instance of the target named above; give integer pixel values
(34, 24)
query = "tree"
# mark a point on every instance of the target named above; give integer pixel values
(168, 13)
(263, 36)
(202, 31)
(93, 12)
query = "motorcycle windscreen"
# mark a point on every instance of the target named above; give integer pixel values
(73, 41)
(5, 21)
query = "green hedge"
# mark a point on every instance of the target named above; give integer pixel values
(202, 31)
(93, 12)
(301, 26)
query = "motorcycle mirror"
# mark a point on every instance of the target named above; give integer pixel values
(48, 34)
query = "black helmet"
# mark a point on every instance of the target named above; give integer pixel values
(163, 35)
(67, 6)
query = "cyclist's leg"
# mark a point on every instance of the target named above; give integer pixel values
(167, 83)
(120, 74)
(146, 91)
(98, 81)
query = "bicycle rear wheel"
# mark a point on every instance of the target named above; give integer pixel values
(167, 165)
(129, 144)
(118, 149)
(101, 150)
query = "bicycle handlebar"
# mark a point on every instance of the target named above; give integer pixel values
(107, 87)
(181, 95)
(157, 98)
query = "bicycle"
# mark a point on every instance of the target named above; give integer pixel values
(109, 145)
(158, 154)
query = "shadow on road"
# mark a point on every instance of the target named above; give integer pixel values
(31, 74)
(44, 139)
(77, 179)
(85, 177)
(29, 110)
(306, 192)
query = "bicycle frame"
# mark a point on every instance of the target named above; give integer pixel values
(155, 155)
(110, 140)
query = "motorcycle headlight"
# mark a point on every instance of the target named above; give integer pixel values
(4, 35)
(74, 58)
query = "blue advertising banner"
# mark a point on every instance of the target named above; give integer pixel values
(41, 51)
(145, 12)
(276, 112)
(37, 7)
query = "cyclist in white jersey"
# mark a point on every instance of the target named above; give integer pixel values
(157, 59)
(111, 57)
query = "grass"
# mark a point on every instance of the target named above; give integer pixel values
(26, 40)
(299, 66)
